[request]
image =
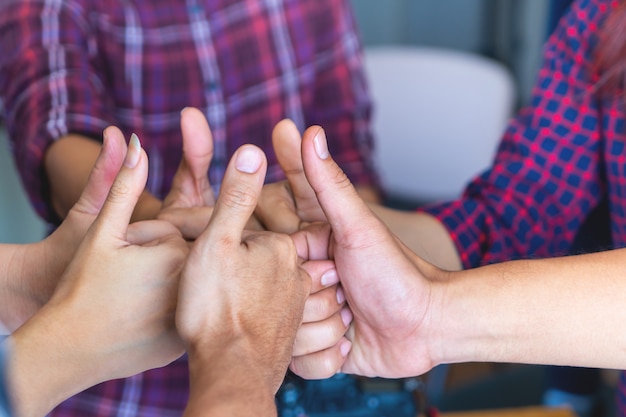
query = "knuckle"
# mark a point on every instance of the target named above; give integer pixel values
(239, 198)
(119, 191)
(341, 179)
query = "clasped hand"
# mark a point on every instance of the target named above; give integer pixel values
(368, 311)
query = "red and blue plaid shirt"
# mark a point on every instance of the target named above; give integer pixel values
(77, 66)
(558, 158)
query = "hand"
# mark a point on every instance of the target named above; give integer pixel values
(44, 262)
(124, 271)
(113, 313)
(242, 292)
(385, 285)
(288, 205)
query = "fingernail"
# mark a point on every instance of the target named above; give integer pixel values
(344, 348)
(134, 149)
(248, 160)
(341, 297)
(321, 146)
(346, 316)
(330, 278)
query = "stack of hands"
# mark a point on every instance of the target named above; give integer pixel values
(299, 273)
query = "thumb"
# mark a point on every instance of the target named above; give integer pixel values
(104, 171)
(344, 208)
(238, 195)
(287, 143)
(125, 191)
(197, 151)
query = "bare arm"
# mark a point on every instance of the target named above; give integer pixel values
(423, 234)
(410, 316)
(18, 264)
(563, 311)
(228, 383)
(127, 274)
(68, 162)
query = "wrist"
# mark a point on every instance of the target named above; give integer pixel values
(48, 362)
(470, 327)
(21, 276)
(228, 381)
(438, 319)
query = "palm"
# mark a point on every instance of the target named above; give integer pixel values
(387, 300)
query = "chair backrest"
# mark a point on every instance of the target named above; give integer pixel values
(438, 116)
(18, 221)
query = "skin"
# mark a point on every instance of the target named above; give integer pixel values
(410, 315)
(69, 160)
(240, 344)
(68, 163)
(30, 273)
(232, 342)
(189, 206)
(40, 265)
(112, 313)
(289, 205)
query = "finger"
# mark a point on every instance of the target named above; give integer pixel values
(191, 179)
(323, 304)
(313, 337)
(331, 185)
(312, 242)
(239, 194)
(276, 209)
(323, 274)
(190, 221)
(287, 144)
(104, 171)
(125, 191)
(140, 233)
(322, 364)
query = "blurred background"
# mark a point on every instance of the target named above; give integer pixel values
(508, 32)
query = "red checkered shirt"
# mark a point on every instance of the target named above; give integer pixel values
(558, 159)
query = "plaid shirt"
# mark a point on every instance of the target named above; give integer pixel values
(558, 158)
(77, 66)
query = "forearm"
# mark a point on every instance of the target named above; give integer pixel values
(369, 194)
(69, 162)
(562, 311)
(44, 366)
(423, 234)
(20, 265)
(227, 384)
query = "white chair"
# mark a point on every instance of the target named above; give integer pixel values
(18, 221)
(438, 116)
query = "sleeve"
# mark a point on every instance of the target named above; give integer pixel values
(49, 85)
(5, 410)
(342, 104)
(547, 174)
